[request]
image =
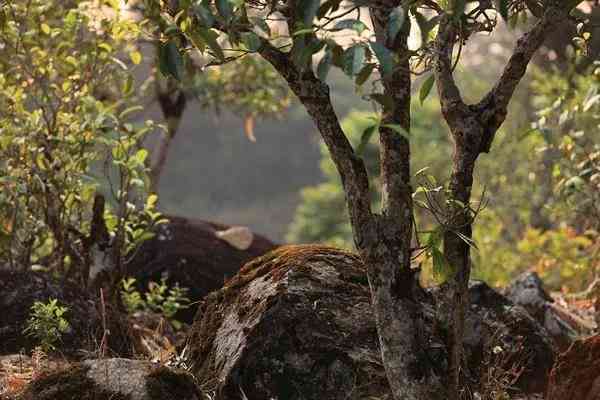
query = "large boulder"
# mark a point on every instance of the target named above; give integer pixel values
(297, 324)
(196, 254)
(19, 290)
(576, 375)
(527, 290)
(114, 379)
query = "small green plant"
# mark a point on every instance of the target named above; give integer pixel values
(47, 323)
(159, 299)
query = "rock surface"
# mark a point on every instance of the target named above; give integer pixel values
(114, 379)
(191, 253)
(576, 375)
(527, 290)
(18, 292)
(297, 324)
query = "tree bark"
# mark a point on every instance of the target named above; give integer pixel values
(382, 240)
(172, 101)
(473, 128)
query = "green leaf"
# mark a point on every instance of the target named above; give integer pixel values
(364, 74)
(130, 110)
(251, 41)
(170, 60)
(302, 52)
(202, 11)
(127, 85)
(366, 137)
(502, 7)
(261, 24)
(395, 21)
(45, 28)
(354, 58)
(308, 10)
(354, 24)
(324, 66)
(426, 88)
(384, 56)
(328, 6)
(458, 8)
(210, 38)
(398, 129)
(441, 268)
(225, 9)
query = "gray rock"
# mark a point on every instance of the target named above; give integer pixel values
(527, 290)
(114, 379)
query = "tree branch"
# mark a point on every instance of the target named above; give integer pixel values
(396, 190)
(453, 106)
(493, 107)
(314, 95)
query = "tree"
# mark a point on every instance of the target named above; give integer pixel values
(66, 102)
(383, 238)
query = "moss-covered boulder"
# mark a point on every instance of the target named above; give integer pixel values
(114, 379)
(196, 254)
(297, 324)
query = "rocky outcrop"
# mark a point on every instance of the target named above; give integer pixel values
(19, 290)
(114, 379)
(576, 375)
(297, 324)
(198, 255)
(527, 290)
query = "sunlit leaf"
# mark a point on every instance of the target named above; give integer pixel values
(136, 57)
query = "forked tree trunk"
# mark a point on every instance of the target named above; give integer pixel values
(473, 128)
(383, 240)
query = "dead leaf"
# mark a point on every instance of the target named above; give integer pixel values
(249, 128)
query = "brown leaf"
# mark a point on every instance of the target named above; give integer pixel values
(249, 128)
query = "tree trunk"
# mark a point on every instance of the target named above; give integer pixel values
(457, 253)
(172, 101)
(473, 128)
(383, 240)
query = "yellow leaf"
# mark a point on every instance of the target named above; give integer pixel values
(45, 28)
(136, 57)
(249, 128)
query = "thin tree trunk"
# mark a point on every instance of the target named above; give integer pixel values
(172, 101)
(473, 128)
(383, 240)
